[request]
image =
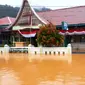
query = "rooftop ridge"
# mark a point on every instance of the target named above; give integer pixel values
(27, 15)
(62, 9)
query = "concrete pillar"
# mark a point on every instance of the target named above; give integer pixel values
(6, 52)
(69, 53)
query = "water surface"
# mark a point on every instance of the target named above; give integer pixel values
(18, 70)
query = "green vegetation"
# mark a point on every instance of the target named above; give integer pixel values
(7, 10)
(49, 36)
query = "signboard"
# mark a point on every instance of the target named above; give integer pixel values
(64, 26)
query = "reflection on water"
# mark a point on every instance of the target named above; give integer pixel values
(8, 77)
(17, 70)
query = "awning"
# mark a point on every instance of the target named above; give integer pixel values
(72, 32)
(32, 33)
(24, 27)
(28, 34)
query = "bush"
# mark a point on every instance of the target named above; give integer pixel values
(49, 36)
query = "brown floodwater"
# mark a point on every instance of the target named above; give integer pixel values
(18, 70)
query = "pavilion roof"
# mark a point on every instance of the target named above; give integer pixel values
(6, 20)
(73, 15)
(27, 16)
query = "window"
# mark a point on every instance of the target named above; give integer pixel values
(82, 39)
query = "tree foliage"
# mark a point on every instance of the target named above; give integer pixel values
(7, 10)
(48, 36)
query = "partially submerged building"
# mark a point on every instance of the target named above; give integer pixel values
(5, 34)
(26, 24)
(28, 21)
(75, 19)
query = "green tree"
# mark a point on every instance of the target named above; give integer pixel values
(49, 36)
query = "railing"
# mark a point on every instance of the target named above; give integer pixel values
(49, 50)
(1, 50)
(64, 53)
(78, 47)
(18, 49)
(59, 53)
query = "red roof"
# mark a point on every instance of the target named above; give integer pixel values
(73, 15)
(6, 20)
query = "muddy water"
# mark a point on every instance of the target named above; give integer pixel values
(17, 70)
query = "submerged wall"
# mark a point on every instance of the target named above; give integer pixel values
(50, 50)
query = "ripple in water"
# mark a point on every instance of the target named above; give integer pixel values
(8, 77)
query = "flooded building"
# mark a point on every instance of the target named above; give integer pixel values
(5, 33)
(27, 23)
(75, 19)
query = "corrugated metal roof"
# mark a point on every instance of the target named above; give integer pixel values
(73, 15)
(6, 20)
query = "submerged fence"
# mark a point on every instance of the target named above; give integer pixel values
(50, 50)
(38, 52)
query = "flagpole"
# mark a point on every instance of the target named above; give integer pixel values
(30, 28)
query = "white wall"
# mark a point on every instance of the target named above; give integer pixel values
(55, 53)
(50, 50)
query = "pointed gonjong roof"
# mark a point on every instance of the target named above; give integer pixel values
(27, 18)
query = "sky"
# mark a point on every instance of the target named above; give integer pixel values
(53, 4)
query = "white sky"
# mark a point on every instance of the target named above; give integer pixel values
(54, 4)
